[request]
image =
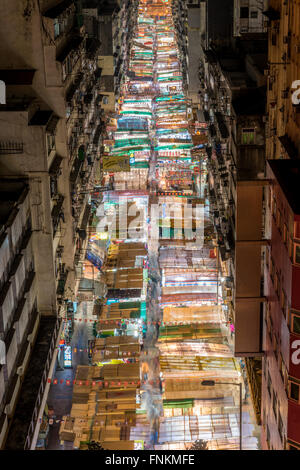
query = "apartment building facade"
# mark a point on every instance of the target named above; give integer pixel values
(281, 372)
(50, 138)
(233, 100)
(19, 315)
(280, 382)
(249, 17)
(283, 72)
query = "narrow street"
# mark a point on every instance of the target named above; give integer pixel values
(60, 395)
(190, 379)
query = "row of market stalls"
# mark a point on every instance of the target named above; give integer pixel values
(106, 405)
(152, 245)
(192, 341)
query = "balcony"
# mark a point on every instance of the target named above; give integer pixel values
(75, 171)
(25, 417)
(57, 212)
(61, 282)
(97, 135)
(92, 48)
(70, 55)
(85, 217)
(62, 17)
(222, 126)
(54, 172)
(45, 119)
(10, 147)
(254, 370)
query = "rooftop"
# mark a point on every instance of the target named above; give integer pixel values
(287, 173)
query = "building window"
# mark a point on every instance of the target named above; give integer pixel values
(254, 14)
(274, 405)
(270, 198)
(283, 372)
(269, 320)
(285, 234)
(276, 283)
(280, 426)
(267, 259)
(278, 220)
(294, 391)
(297, 230)
(264, 418)
(295, 322)
(275, 346)
(247, 136)
(50, 142)
(53, 186)
(283, 302)
(244, 12)
(268, 436)
(56, 28)
(265, 367)
(274, 208)
(272, 269)
(296, 254)
(269, 384)
(290, 244)
(274, 38)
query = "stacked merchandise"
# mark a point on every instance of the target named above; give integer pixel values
(120, 348)
(104, 406)
(155, 154)
(193, 339)
(122, 318)
(125, 271)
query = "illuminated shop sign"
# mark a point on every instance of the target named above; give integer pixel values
(67, 356)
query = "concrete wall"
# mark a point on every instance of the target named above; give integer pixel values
(248, 268)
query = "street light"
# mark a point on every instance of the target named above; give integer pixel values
(212, 383)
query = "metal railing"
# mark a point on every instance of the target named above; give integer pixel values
(253, 367)
(9, 147)
(42, 387)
